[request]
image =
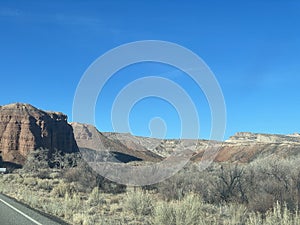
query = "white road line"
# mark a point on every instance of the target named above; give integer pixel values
(23, 214)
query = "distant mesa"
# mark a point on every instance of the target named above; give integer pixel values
(246, 147)
(264, 138)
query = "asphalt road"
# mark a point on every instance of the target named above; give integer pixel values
(14, 213)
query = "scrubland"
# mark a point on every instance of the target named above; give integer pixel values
(263, 192)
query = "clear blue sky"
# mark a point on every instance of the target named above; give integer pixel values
(253, 48)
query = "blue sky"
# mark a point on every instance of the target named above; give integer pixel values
(253, 48)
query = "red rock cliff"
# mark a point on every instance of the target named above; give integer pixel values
(24, 128)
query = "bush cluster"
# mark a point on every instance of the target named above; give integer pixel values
(257, 185)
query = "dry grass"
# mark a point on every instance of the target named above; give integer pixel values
(68, 200)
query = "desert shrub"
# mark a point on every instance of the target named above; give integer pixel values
(19, 179)
(95, 198)
(44, 173)
(87, 179)
(63, 189)
(174, 187)
(9, 178)
(164, 213)
(233, 214)
(108, 186)
(55, 175)
(188, 211)
(44, 184)
(254, 219)
(139, 202)
(30, 198)
(78, 218)
(71, 203)
(65, 207)
(114, 221)
(83, 175)
(278, 215)
(54, 207)
(189, 179)
(191, 210)
(30, 181)
(91, 219)
(84, 219)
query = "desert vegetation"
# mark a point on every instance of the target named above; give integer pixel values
(263, 192)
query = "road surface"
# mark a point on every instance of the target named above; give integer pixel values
(14, 213)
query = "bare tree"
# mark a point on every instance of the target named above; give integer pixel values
(231, 183)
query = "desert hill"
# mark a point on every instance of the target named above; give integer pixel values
(242, 147)
(88, 138)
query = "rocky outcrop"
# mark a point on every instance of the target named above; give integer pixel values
(246, 137)
(24, 128)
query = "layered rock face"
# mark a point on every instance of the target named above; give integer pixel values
(24, 128)
(112, 149)
(247, 137)
(245, 147)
